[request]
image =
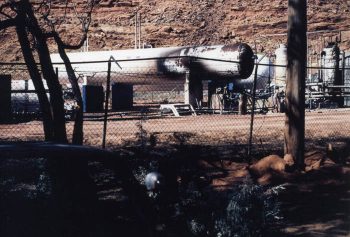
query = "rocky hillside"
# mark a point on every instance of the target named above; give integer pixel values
(197, 22)
(193, 22)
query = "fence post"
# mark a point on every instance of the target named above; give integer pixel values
(106, 105)
(253, 109)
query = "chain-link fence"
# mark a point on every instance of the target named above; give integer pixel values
(135, 103)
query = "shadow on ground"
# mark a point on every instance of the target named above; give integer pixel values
(200, 182)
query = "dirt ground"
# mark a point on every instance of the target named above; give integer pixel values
(210, 129)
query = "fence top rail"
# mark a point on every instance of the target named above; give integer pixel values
(130, 60)
(164, 58)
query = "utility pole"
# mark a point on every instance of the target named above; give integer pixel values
(139, 21)
(137, 35)
(294, 133)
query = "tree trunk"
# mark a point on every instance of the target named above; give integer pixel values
(295, 88)
(70, 173)
(36, 77)
(55, 89)
(56, 95)
(78, 123)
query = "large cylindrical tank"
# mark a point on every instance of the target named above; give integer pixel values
(23, 96)
(330, 63)
(281, 66)
(229, 62)
(25, 85)
(265, 74)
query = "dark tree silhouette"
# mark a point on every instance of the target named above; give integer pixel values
(37, 80)
(84, 18)
(20, 14)
(38, 20)
(14, 16)
(56, 94)
(27, 18)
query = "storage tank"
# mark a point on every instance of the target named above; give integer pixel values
(347, 78)
(265, 74)
(281, 66)
(23, 96)
(228, 62)
(25, 85)
(330, 63)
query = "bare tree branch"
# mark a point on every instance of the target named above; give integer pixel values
(13, 5)
(2, 7)
(44, 8)
(33, 26)
(84, 20)
(78, 125)
(59, 41)
(56, 95)
(7, 23)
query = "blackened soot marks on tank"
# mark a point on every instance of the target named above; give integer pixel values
(185, 61)
(161, 62)
(231, 47)
(186, 50)
(246, 58)
(206, 49)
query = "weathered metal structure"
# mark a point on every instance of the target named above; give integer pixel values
(265, 75)
(329, 86)
(346, 76)
(215, 62)
(281, 65)
(191, 65)
(220, 75)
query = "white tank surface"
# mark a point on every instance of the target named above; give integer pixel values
(25, 85)
(208, 62)
(23, 96)
(330, 55)
(265, 74)
(281, 68)
(19, 84)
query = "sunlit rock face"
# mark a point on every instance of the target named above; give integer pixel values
(182, 23)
